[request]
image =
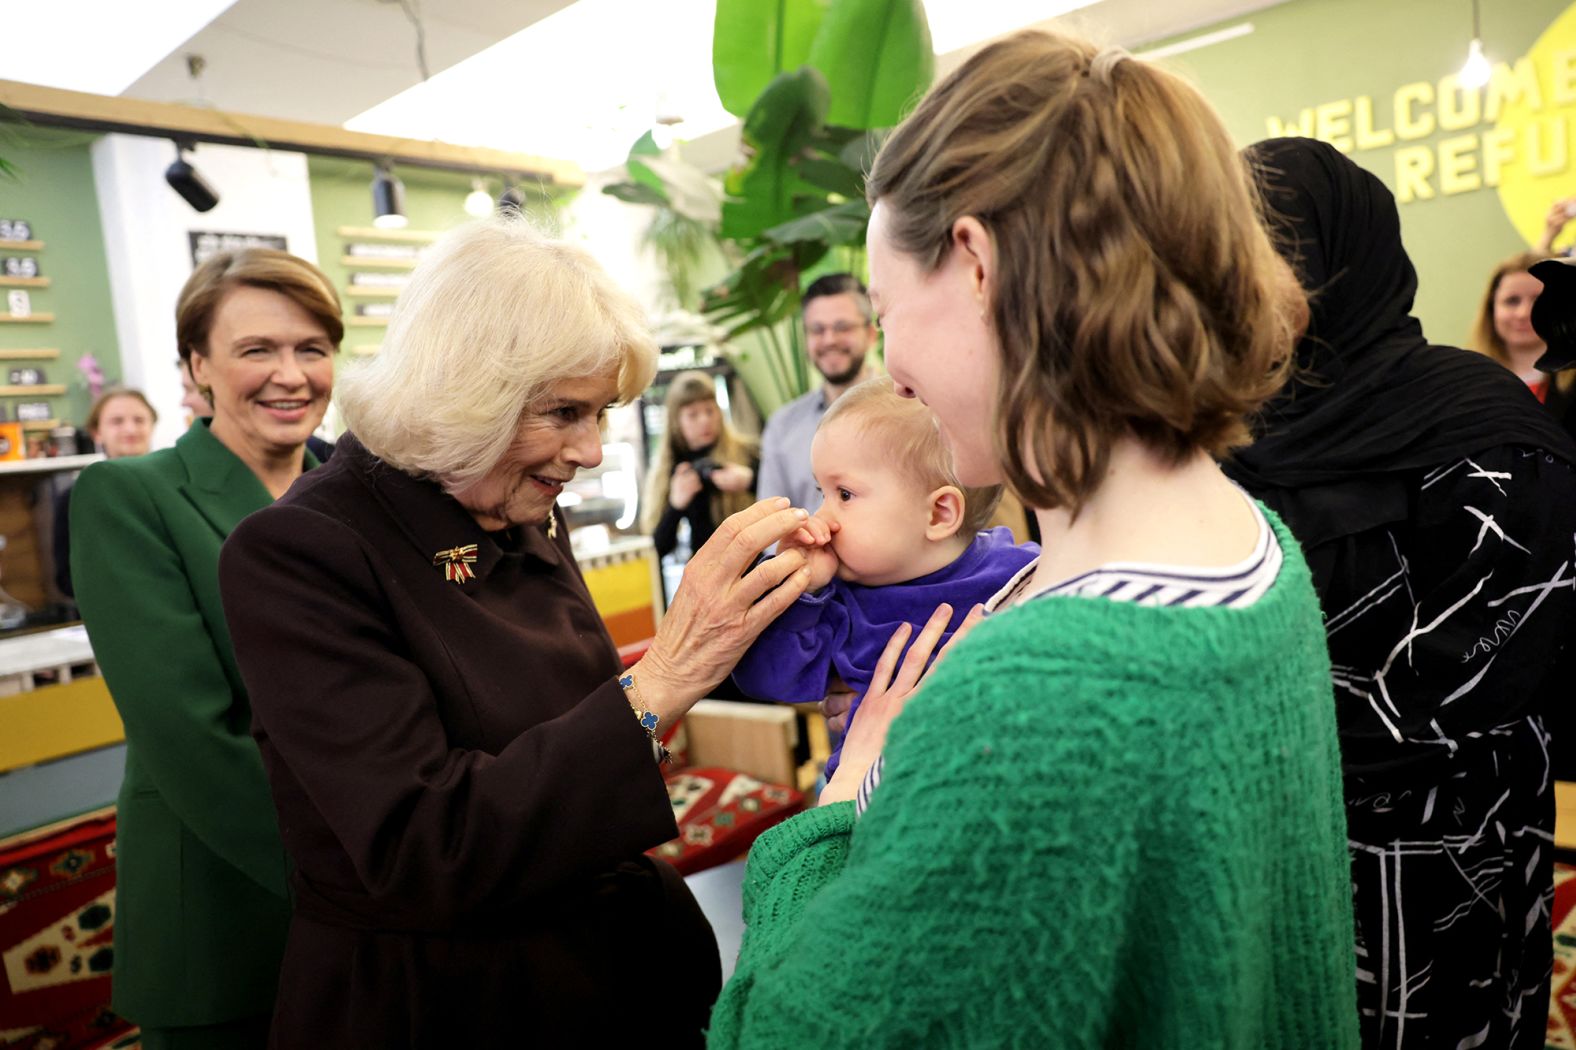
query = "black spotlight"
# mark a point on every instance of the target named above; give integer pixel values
(193, 188)
(511, 200)
(388, 199)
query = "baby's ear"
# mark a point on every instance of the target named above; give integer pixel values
(946, 513)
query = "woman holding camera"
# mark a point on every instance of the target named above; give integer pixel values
(704, 470)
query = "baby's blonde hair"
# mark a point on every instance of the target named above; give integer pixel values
(906, 431)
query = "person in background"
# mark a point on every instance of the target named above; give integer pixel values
(201, 901)
(1436, 506)
(466, 776)
(1068, 264)
(703, 472)
(896, 535)
(839, 332)
(120, 424)
(1503, 331)
(193, 402)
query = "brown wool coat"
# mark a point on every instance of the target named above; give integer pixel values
(461, 786)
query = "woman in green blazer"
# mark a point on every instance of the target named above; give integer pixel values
(201, 906)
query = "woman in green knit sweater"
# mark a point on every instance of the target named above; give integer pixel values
(1112, 816)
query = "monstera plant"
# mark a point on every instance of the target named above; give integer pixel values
(816, 83)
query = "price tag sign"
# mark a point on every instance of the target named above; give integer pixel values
(27, 377)
(19, 303)
(19, 266)
(15, 230)
(33, 411)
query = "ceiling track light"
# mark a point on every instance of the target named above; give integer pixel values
(1476, 71)
(185, 180)
(388, 198)
(511, 201)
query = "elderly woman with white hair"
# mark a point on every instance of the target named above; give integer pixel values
(465, 780)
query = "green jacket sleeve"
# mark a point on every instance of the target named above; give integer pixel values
(187, 728)
(978, 902)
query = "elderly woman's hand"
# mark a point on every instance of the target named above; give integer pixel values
(720, 609)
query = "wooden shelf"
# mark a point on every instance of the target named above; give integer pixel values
(40, 424)
(29, 355)
(48, 464)
(29, 319)
(365, 351)
(366, 322)
(372, 292)
(22, 246)
(373, 233)
(33, 390)
(372, 262)
(24, 282)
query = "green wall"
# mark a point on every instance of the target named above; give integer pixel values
(1308, 54)
(434, 201)
(53, 190)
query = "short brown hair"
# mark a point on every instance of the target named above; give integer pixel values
(1136, 290)
(1485, 337)
(97, 411)
(907, 433)
(277, 271)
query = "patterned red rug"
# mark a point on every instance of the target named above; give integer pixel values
(1562, 997)
(57, 907)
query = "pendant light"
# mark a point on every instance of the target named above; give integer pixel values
(1476, 71)
(388, 199)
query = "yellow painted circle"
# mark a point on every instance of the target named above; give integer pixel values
(1525, 195)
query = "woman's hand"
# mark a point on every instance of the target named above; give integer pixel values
(683, 487)
(814, 540)
(732, 477)
(719, 609)
(888, 694)
(1559, 214)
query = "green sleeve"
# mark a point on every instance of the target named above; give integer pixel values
(186, 727)
(980, 901)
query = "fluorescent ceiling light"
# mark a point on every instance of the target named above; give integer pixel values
(102, 46)
(959, 23)
(582, 84)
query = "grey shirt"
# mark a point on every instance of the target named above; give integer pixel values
(785, 451)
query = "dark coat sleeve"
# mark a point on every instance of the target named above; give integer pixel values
(343, 709)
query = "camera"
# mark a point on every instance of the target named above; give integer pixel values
(705, 466)
(1554, 313)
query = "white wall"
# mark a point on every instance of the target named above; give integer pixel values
(145, 237)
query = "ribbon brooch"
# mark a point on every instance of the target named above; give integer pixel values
(457, 562)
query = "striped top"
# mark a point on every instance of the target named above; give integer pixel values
(1158, 586)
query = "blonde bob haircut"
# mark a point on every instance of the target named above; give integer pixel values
(906, 432)
(1136, 291)
(493, 317)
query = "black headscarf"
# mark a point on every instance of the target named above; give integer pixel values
(1371, 401)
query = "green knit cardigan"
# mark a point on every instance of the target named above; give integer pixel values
(1099, 825)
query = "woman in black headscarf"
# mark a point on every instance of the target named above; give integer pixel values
(1437, 510)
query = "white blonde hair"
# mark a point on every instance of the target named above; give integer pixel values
(494, 315)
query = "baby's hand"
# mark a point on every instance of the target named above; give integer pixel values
(814, 538)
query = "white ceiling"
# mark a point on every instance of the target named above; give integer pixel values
(330, 61)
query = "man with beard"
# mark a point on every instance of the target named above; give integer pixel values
(839, 332)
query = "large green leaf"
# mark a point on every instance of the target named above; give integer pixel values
(754, 40)
(840, 224)
(877, 58)
(636, 193)
(769, 190)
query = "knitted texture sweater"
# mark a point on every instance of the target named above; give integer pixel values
(1099, 825)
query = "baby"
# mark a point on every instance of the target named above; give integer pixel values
(895, 536)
